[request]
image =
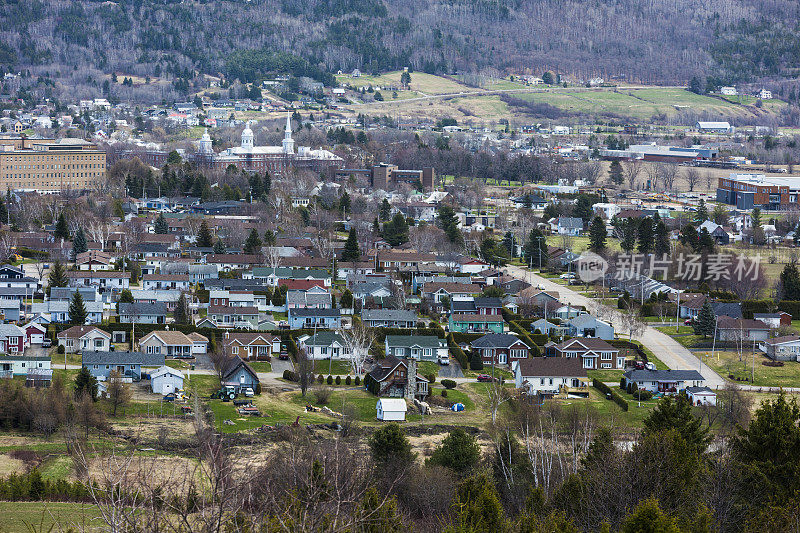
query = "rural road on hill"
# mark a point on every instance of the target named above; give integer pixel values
(667, 349)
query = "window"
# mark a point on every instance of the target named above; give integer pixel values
(605, 356)
(605, 365)
(427, 352)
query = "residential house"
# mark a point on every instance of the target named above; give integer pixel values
(549, 376)
(300, 318)
(417, 347)
(34, 333)
(102, 279)
(470, 265)
(239, 375)
(93, 260)
(233, 317)
(477, 306)
(594, 353)
(58, 311)
(12, 339)
(716, 231)
(435, 291)
(588, 326)
(500, 348)
(20, 364)
(324, 345)
(567, 225)
(129, 364)
(166, 281)
(389, 318)
(785, 348)
(701, 396)
(142, 313)
(545, 326)
(566, 312)
(396, 378)
(472, 323)
(252, 346)
(166, 380)
(89, 294)
(727, 309)
(171, 343)
(14, 277)
(314, 298)
(774, 320)
(82, 338)
(10, 310)
(663, 381)
(741, 330)
(690, 303)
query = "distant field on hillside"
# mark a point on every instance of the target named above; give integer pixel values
(420, 82)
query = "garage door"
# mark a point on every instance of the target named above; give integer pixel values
(37, 338)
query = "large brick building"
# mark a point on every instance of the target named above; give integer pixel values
(385, 176)
(747, 191)
(48, 165)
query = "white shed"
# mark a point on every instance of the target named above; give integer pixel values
(391, 409)
(166, 380)
(701, 396)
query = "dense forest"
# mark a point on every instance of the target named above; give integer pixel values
(75, 41)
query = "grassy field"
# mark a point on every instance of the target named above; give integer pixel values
(58, 359)
(27, 517)
(727, 363)
(261, 366)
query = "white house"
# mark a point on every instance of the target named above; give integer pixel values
(549, 375)
(701, 396)
(764, 94)
(166, 380)
(391, 409)
(728, 91)
(79, 338)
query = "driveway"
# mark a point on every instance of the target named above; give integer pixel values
(279, 366)
(451, 371)
(663, 346)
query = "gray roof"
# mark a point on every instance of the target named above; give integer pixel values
(324, 338)
(158, 308)
(663, 375)
(731, 309)
(89, 294)
(407, 341)
(570, 222)
(308, 298)
(15, 291)
(315, 312)
(122, 358)
(62, 306)
(497, 340)
(695, 390)
(552, 367)
(389, 314)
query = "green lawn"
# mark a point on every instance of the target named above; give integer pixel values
(58, 359)
(428, 367)
(177, 364)
(57, 467)
(27, 517)
(335, 367)
(202, 384)
(260, 366)
(670, 330)
(606, 376)
(727, 363)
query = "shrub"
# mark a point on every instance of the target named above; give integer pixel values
(475, 361)
(358, 381)
(448, 384)
(258, 388)
(348, 380)
(60, 349)
(322, 395)
(320, 379)
(330, 380)
(287, 375)
(431, 378)
(606, 390)
(338, 380)
(642, 395)
(444, 393)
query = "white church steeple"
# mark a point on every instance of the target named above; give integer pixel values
(247, 137)
(288, 142)
(205, 143)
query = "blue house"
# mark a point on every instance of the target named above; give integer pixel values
(300, 318)
(239, 375)
(128, 364)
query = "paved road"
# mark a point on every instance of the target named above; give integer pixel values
(663, 346)
(451, 371)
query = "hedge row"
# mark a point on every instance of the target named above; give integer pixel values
(605, 389)
(457, 352)
(526, 338)
(749, 307)
(631, 345)
(465, 338)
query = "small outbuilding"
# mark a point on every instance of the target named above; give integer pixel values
(391, 409)
(701, 395)
(166, 380)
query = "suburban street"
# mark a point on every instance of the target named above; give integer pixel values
(667, 349)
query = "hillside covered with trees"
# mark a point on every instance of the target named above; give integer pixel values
(76, 41)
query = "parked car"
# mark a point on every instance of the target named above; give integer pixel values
(249, 392)
(284, 355)
(567, 275)
(484, 378)
(687, 322)
(444, 360)
(574, 281)
(46, 343)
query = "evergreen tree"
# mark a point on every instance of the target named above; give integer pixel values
(79, 244)
(61, 231)
(219, 247)
(535, 249)
(3, 211)
(385, 210)
(269, 238)
(509, 244)
(661, 246)
(477, 507)
(346, 300)
(755, 217)
(790, 282)
(706, 320)
(648, 517)
(701, 215)
(459, 452)
(351, 251)
(675, 413)
(390, 447)
(256, 186)
(550, 211)
(688, 237)
(253, 243)
(204, 237)
(77, 310)
(448, 221)
(615, 172)
(267, 184)
(395, 232)
(85, 382)
(183, 313)
(57, 276)
(705, 242)
(161, 225)
(645, 236)
(583, 207)
(629, 230)
(597, 235)
(344, 203)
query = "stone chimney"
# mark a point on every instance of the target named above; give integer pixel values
(411, 383)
